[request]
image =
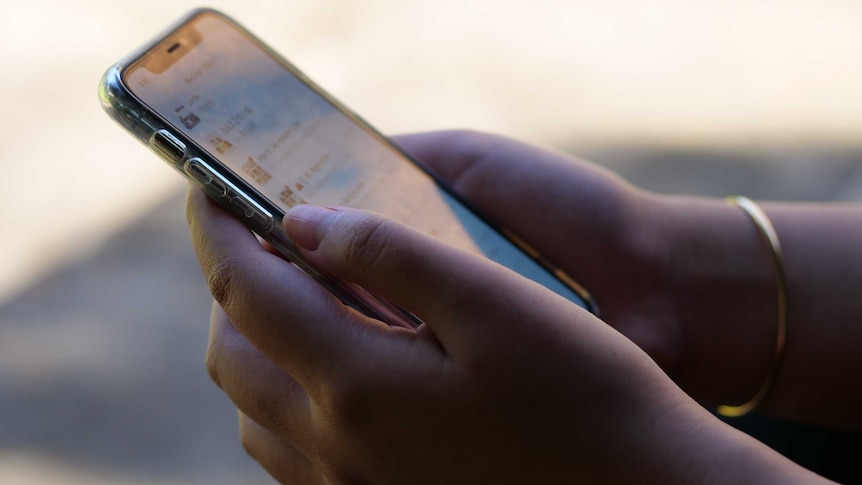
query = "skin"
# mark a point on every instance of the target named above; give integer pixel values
(507, 382)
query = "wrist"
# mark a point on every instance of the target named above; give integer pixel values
(723, 288)
(696, 447)
(711, 451)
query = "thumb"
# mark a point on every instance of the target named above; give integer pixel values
(455, 293)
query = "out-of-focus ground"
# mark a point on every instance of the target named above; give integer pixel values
(102, 307)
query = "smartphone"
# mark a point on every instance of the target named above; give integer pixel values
(259, 137)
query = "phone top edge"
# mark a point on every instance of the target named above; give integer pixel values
(163, 34)
(125, 107)
(115, 73)
(112, 89)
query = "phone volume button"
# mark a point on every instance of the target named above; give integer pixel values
(208, 180)
(216, 186)
(255, 216)
(199, 173)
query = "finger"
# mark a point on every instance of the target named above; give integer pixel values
(446, 153)
(256, 386)
(290, 318)
(443, 286)
(284, 462)
(536, 193)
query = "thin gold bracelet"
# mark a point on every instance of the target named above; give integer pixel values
(761, 220)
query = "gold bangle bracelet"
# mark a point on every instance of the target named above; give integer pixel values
(764, 226)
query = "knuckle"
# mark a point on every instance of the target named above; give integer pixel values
(268, 410)
(221, 280)
(211, 363)
(348, 405)
(469, 134)
(247, 439)
(255, 443)
(368, 245)
(191, 207)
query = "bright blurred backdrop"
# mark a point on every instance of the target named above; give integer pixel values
(549, 71)
(566, 73)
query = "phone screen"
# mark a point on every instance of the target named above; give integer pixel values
(261, 120)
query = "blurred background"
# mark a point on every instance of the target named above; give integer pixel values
(103, 311)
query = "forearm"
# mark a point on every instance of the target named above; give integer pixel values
(819, 378)
(725, 283)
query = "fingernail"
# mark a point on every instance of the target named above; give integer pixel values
(303, 224)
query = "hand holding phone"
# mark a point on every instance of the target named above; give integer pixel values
(504, 383)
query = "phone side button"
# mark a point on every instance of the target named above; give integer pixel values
(199, 173)
(209, 182)
(257, 219)
(167, 145)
